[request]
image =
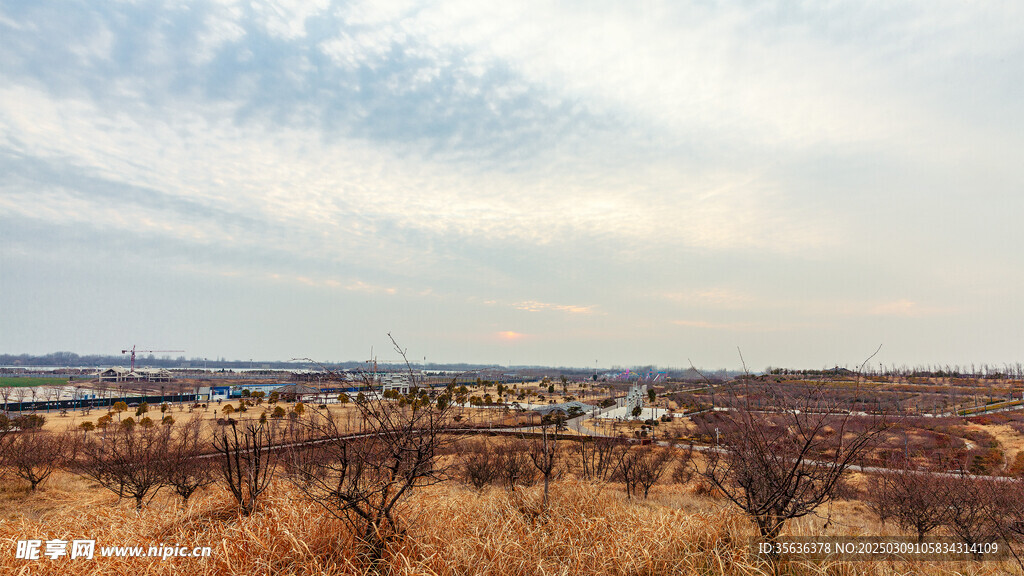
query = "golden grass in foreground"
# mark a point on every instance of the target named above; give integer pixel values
(588, 530)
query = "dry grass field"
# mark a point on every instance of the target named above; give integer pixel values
(588, 529)
(347, 416)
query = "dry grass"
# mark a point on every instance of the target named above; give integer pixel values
(588, 530)
(675, 429)
(1009, 439)
(347, 416)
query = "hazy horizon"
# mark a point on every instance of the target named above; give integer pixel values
(575, 184)
(869, 365)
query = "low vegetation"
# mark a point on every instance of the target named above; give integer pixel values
(403, 489)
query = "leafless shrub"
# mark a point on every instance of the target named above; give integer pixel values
(916, 499)
(625, 472)
(478, 464)
(598, 458)
(366, 480)
(975, 508)
(188, 470)
(5, 394)
(247, 460)
(514, 466)
(684, 468)
(127, 461)
(651, 467)
(642, 467)
(1007, 514)
(34, 454)
(545, 455)
(783, 458)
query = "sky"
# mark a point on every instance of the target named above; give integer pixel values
(588, 184)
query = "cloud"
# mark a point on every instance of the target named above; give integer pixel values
(745, 326)
(484, 144)
(287, 19)
(537, 306)
(722, 298)
(705, 324)
(360, 286)
(904, 308)
(704, 158)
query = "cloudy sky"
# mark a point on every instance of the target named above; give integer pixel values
(562, 183)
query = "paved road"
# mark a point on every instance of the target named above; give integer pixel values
(577, 422)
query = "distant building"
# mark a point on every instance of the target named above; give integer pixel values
(238, 390)
(113, 374)
(153, 374)
(297, 392)
(122, 374)
(635, 398)
(219, 393)
(398, 381)
(324, 377)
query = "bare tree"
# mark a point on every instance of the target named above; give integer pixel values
(783, 459)
(7, 425)
(1006, 514)
(366, 479)
(651, 466)
(545, 455)
(247, 460)
(127, 461)
(34, 454)
(52, 393)
(598, 457)
(5, 393)
(684, 467)
(975, 511)
(188, 470)
(641, 467)
(478, 464)
(514, 466)
(915, 498)
(625, 472)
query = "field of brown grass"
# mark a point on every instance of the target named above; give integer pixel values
(452, 530)
(347, 415)
(588, 529)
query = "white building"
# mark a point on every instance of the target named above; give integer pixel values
(635, 397)
(398, 381)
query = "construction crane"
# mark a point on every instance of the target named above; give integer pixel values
(133, 351)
